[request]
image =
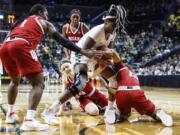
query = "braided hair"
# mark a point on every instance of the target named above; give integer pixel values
(119, 14)
(121, 19)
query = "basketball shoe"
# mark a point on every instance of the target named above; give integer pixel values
(11, 118)
(49, 118)
(165, 118)
(110, 115)
(33, 125)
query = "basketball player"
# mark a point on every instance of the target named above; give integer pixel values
(129, 94)
(92, 101)
(19, 59)
(101, 35)
(74, 30)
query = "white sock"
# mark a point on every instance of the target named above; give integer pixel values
(110, 104)
(30, 114)
(10, 108)
(53, 108)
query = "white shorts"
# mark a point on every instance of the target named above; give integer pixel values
(77, 58)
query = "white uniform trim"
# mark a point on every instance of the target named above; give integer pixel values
(82, 28)
(91, 93)
(36, 18)
(74, 32)
(122, 69)
(15, 38)
(121, 88)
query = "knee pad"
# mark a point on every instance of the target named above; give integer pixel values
(80, 81)
(91, 109)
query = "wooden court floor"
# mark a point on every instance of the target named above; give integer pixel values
(78, 123)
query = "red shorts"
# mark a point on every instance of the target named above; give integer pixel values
(19, 59)
(136, 99)
(97, 98)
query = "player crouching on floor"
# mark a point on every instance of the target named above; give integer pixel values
(92, 101)
(129, 94)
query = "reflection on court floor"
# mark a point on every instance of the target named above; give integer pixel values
(76, 122)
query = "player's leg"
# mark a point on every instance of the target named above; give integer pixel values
(29, 123)
(11, 117)
(49, 114)
(80, 79)
(79, 84)
(88, 106)
(29, 66)
(91, 109)
(124, 104)
(100, 100)
(145, 106)
(12, 70)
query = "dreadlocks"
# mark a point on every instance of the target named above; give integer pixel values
(121, 19)
(120, 15)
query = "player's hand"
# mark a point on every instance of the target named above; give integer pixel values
(80, 94)
(104, 83)
(91, 53)
(107, 53)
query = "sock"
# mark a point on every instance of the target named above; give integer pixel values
(30, 114)
(110, 104)
(53, 108)
(10, 108)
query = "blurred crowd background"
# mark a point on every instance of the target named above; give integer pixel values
(152, 46)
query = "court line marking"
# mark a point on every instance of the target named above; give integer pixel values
(133, 131)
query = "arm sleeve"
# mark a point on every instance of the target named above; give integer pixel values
(65, 42)
(118, 65)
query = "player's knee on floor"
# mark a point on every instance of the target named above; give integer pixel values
(91, 109)
(80, 81)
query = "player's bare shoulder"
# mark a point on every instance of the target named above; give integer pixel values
(47, 26)
(65, 26)
(85, 28)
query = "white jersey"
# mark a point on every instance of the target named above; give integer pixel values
(98, 35)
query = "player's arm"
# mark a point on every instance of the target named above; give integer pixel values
(65, 85)
(51, 30)
(116, 58)
(85, 28)
(110, 45)
(64, 35)
(89, 43)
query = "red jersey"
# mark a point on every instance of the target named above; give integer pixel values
(30, 29)
(74, 36)
(125, 77)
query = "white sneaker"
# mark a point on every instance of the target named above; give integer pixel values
(110, 115)
(33, 125)
(50, 118)
(12, 118)
(165, 118)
